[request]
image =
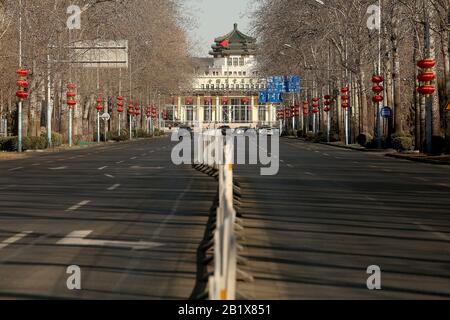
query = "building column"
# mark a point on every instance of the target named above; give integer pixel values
(255, 111)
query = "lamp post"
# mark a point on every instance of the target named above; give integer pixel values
(19, 106)
(99, 108)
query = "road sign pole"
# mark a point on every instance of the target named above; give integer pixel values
(120, 118)
(70, 126)
(98, 126)
(19, 134)
(131, 133)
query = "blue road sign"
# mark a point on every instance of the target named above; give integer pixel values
(386, 112)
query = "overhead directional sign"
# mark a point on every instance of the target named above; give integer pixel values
(78, 238)
(276, 86)
(100, 54)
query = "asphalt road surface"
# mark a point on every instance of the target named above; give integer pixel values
(123, 213)
(314, 229)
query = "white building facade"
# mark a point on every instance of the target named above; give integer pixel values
(225, 88)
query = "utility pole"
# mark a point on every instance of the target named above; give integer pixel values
(19, 107)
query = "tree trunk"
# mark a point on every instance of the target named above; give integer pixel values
(398, 123)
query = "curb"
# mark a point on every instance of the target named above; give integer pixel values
(416, 159)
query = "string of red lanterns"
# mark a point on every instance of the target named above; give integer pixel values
(71, 94)
(120, 104)
(99, 106)
(23, 84)
(426, 77)
(377, 88)
(327, 103)
(315, 105)
(345, 98)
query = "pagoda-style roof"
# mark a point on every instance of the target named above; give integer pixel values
(238, 44)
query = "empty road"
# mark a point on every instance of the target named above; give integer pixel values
(314, 229)
(123, 213)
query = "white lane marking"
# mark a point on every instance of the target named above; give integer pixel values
(14, 239)
(102, 168)
(446, 185)
(7, 187)
(78, 238)
(133, 158)
(113, 187)
(109, 176)
(15, 169)
(58, 168)
(422, 179)
(290, 165)
(120, 162)
(282, 161)
(309, 173)
(429, 229)
(35, 164)
(148, 168)
(326, 154)
(79, 205)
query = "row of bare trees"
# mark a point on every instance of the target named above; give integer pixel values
(329, 43)
(158, 58)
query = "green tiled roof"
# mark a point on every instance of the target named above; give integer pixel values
(239, 44)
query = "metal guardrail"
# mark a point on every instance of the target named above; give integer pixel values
(216, 151)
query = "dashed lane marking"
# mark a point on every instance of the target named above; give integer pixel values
(78, 205)
(14, 239)
(113, 187)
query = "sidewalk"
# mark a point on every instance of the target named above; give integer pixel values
(417, 157)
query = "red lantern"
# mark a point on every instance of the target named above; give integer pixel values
(71, 103)
(426, 90)
(377, 99)
(426, 63)
(327, 103)
(71, 94)
(345, 90)
(245, 101)
(71, 86)
(22, 72)
(120, 98)
(345, 106)
(377, 89)
(327, 109)
(21, 94)
(224, 101)
(315, 99)
(315, 105)
(131, 111)
(426, 76)
(377, 79)
(120, 110)
(345, 98)
(315, 111)
(208, 101)
(22, 83)
(327, 97)
(189, 101)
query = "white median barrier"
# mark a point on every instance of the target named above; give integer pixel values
(218, 152)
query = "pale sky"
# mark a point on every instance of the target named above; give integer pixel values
(216, 18)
